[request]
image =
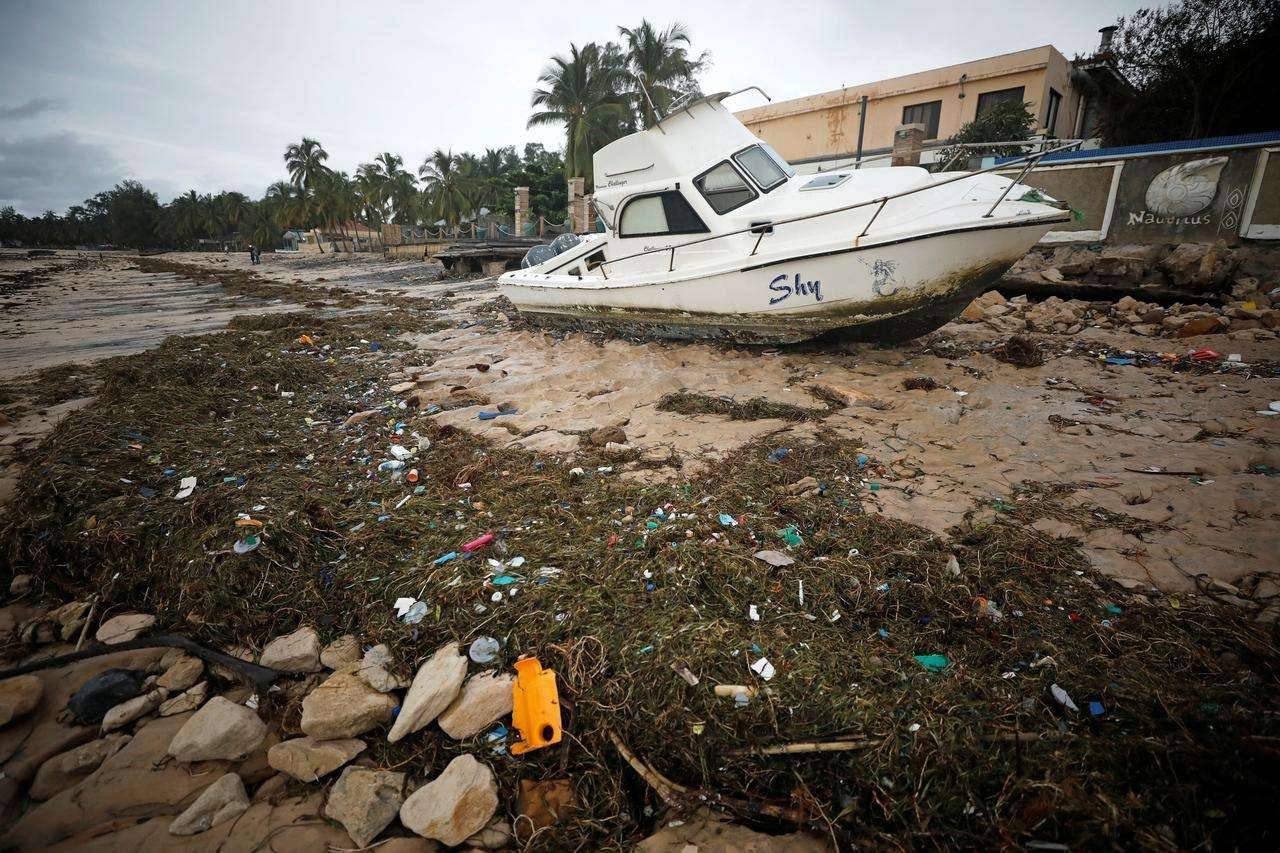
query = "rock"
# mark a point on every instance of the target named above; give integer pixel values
(484, 698)
(706, 832)
(1052, 274)
(268, 789)
(222, 801)
(365, 801)
(455, 805)
(182, 674)
(126, 712)
(19, 696)
(122, 629)
(1074, 262)
(373, 670)
(20, 585)
(344, 706)
(496, 836)
(39, 631)
(342, 651)
(434, 687)
(68, 768)
(307, 759)
(359, 417)
(296, 652)
(188, 701)
(228, 674)
(72, 613)
(219, 730)
(1201, 326)
(973, 313)
(602, 436)
(617, 450)
(544, 803)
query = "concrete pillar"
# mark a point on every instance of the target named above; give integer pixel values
(522, 210)
(908, 142)
(577, 204)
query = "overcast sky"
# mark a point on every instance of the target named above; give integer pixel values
(206, 95)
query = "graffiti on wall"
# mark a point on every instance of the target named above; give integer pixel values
(1181, 194)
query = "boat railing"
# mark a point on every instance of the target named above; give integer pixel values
(762, 228)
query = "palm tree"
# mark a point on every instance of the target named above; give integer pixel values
(259, 223)
(370, 185)
(400, 188)
(230, 208)
(582, 92)
(445, 192)
(336, 201)
(305, 162)
(660, 65)
(188, 218)
(289, 205)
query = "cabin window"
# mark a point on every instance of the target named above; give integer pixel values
(660, 213)
(759, 165)
(723, 188)
(927, 114)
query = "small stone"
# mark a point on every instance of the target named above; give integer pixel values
(68, 768)
(72, 613)
(268, 789)
(126, 712)
(365, 801)
(20, 585)
(496, 836)
(483, 699)
(359, 417)
(219, 730)
(182, 674)
(122, 629)
(434, 687)
(455, 805)
(373, 670)
(222, 801)
(188, 701)
(544, 803)
(296, 652)
(344, 706)
(19, 696)
(307, 759)
(342, 651)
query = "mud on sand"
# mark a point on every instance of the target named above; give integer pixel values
(1092, 564)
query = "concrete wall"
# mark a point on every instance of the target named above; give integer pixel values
(1194, 196)
(826, 125)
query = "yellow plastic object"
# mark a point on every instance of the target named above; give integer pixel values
(535, 706)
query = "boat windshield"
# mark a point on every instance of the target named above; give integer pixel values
(723, 188)
(762, 167)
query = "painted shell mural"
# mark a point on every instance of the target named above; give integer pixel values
(1186, 188)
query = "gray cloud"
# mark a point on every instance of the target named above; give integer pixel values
(32, 108)
(53, 171)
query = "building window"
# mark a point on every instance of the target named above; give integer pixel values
(723, 188)
(926, 114)
(660, 213)
(1051, 118)
(988, 101)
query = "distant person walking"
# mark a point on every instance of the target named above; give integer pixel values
(253, 254)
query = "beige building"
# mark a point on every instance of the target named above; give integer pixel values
(824, 128)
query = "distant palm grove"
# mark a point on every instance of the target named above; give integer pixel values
(596, 92)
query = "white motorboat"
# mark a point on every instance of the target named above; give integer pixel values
(710, 234)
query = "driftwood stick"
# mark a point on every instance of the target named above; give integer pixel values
(808, 747)
(260, 677)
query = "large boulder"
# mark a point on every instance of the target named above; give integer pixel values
(1199, 266)
(222, 801)
(307, 759)
(343, 707)
(296, 652)
(19, 696)
(434, 687)
(365, 801)
(219, 730)
(455, 805)
(484, 698)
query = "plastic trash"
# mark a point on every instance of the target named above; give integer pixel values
(763, 668)
(862, 459)
(488, 416)
(444, 558)
(986, 607)
(1064, 699)
(247, 544)
(753, 613)
(412, 475)
(1115, 359)
(103, 692)
(1205, 354)
(484, 649)
(933, 663)
(535, 707)
(399, 451)
(391, 465)
(1096, 709)
(774, 558)
(185, 488)
(779, 454)
(791, 536)
(478, 543)
(683, 671)
(727, 520)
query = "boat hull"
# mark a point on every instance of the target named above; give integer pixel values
(886, 292)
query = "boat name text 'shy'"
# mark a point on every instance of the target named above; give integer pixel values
(784, 289)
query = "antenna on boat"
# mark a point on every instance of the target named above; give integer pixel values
(657, 118)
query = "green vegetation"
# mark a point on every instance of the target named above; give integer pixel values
(1005, 122)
